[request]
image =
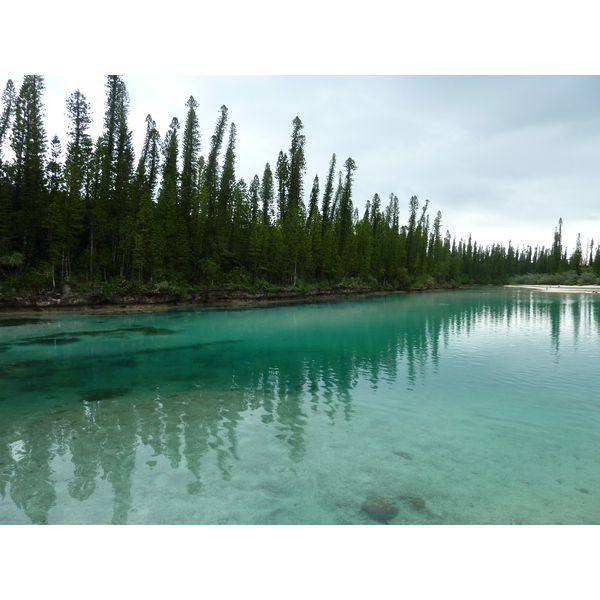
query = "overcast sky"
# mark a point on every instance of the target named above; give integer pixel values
(502, 157)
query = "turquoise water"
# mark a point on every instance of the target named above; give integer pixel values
(466, 407)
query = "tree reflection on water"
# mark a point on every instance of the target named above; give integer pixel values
(49, 413)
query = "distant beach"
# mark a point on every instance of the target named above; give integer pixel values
(570, 289)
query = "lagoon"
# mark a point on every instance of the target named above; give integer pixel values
(464, 407)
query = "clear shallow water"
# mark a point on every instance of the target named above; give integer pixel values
(468, 407)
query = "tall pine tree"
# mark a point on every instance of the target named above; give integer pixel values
(9, 100)
(30, 201)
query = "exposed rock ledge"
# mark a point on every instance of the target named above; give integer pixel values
(147, 301)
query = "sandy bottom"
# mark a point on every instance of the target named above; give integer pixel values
(151, 460)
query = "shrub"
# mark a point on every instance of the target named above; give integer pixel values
(570, 278)
(588, 279)
(424, 282)
(34, 281)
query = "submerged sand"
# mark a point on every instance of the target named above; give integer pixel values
(577, 289)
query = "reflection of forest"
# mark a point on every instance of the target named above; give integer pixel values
(326, 351)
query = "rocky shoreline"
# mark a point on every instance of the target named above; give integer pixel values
(140, 302)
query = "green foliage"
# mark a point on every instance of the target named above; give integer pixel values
(28, 141)
(34, 281)
(424, 282)
(10, 262)
(571, 277)
(96, 222)
(9, 100)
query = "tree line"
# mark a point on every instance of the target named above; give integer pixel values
(91, 213)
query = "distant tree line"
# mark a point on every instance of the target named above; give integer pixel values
(89, 213)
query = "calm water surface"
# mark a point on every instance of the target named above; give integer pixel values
(468, 407)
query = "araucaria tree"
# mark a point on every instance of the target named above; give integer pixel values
(79, 211)
(116, 169)
(30, 197)
(65, 219)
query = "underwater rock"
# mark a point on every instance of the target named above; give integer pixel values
(379, 508)
(103, 394)
(405, 455)
(50, 341)
(123, 362)
(152, 330)
(16, 321)
(25, 369)
(417, 502)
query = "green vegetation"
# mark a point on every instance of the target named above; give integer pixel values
(97, 220)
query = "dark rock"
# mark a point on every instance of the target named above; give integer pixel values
(103, 394)
(379, 508)
(418, 502)
(405, 455)
(15, 322)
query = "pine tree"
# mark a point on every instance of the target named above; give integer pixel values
(313, 205)
(211, 188)
(346, 209)
(57, 225)
(282, 174)
(421, 237)
(79, 146)
(328, 195)
(168, 198)
(190, 154)
(316, 244)
(145, 252)
(235, 254)
(577, 256)
(267, 195)
(292, 206)
(332, 261)
(254, 197)
(363, 246)
(9, 99)
(148, 168)
(145, 249)
(227, 186)
(555, 264)
(54, 167)
(197, 221)
(258, 247)
(412, 243)
(116, 175)
(29, 145)
(94, 215)
(393, 254)
(189, 184)
(297, 167)
(596, 262)
(256, 228)
(66, 209)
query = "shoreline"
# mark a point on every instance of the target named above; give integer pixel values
(140, 303)
(563, 289)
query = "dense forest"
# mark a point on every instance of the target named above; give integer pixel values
(91, 214)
